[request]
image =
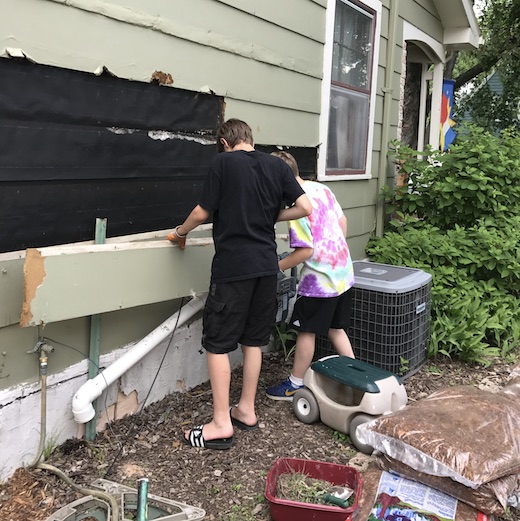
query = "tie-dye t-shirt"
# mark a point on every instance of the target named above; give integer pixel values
(329, 272)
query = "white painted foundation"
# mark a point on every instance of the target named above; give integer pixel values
(184, 367)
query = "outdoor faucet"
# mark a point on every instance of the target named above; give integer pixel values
(43, 350)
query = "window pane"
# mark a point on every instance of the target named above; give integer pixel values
(352, 46)
(348, 128)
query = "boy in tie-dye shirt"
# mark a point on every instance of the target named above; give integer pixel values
(323, 304)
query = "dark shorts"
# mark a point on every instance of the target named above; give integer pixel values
(242, 312)
(318, 315)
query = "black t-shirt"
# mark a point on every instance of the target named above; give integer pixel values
(245, 191)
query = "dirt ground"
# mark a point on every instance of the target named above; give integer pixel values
(228, 485)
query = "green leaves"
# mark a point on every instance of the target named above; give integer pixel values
(459, 219)
(493, 108)
(286, 338)
(480, 177)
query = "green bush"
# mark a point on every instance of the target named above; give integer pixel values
(479, 178)
(459, 219)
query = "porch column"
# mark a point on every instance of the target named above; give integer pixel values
(425, 78)
(435, 123)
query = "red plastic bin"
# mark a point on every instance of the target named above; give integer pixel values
(287, 510)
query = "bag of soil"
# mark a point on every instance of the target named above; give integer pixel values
(512, 388)
(490, 498)
(463, 433)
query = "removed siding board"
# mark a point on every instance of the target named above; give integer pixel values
(76, 147)
(68, 282)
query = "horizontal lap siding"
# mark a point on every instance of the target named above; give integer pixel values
(424, 16)
(202, 44)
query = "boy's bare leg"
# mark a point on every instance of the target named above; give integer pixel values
(245, 410)
(304, 354)
(220, 378)
(341, 342)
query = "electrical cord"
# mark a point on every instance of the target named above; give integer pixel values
(131, 428)
(105, 404)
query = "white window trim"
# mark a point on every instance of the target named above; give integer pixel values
(376, 6)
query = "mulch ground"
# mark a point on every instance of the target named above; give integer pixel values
(228, 485)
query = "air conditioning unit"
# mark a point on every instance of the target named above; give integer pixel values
(390, 322)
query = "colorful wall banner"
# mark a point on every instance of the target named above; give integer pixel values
(447, 132)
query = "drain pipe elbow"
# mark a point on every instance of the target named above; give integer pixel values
(82, 407)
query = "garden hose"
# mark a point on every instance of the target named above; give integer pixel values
(85, 491)
(38, 463)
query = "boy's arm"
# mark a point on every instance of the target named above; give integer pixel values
(197, 216)
(297, 256)
(343, 224)
(301, 208)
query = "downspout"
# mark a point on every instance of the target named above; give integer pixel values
(82, 408)
(387, 105)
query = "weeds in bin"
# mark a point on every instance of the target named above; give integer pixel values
(298, 486)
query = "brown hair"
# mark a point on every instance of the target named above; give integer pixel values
(289, 159)
(234, 131)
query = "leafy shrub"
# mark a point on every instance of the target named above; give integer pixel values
(479, 178)
(459, 219)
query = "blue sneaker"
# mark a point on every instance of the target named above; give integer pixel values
(282, 391)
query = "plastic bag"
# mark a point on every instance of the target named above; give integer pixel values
(512, 388)
(490, 498)
(463, 433)
(367, 498)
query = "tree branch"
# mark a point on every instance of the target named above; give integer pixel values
(472, 73)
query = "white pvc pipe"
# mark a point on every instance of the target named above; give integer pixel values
(82, 402)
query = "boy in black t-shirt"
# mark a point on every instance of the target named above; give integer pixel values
(244, 191)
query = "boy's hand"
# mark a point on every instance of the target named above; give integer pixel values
(176, 238)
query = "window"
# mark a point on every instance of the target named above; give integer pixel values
(350, 90)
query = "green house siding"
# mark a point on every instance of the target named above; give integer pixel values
(270, 57)
(424, 16)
